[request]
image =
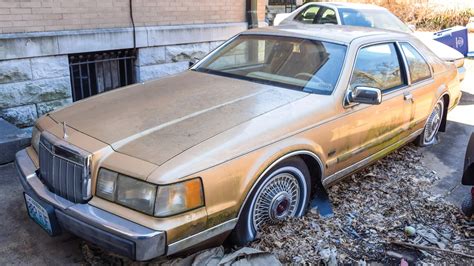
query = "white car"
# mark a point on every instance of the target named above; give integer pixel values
(365, 15)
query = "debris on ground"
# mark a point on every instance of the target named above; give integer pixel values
(383, 214)
(376, 211)
(210, 257)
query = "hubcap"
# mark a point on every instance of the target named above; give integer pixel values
(277, 200)
(433, 123)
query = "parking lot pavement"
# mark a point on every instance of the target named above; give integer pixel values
(447, 157)
(21, 240)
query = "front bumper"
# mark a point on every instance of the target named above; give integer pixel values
(105, 229)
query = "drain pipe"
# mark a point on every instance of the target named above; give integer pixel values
(133, 25)
(251, 10)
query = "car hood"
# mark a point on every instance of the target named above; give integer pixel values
(158, 120)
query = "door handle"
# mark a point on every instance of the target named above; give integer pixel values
(408, 97)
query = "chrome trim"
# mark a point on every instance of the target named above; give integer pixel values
(53, 147)
(30, 180)
(405, 62)
(148, 243)
(344, 172)
(352, 94)
(200, 237)
(288, 155)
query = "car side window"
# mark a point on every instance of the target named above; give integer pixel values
(328, 16)
(419, 69)
(377, 66)
(307, 15)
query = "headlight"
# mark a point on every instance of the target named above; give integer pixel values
(136, 194)
(149, 198)
(35, 139)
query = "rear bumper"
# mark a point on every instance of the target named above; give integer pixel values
(93, 224)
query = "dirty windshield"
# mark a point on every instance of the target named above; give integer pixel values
(307, 65)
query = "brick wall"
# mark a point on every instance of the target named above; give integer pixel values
(51, 15)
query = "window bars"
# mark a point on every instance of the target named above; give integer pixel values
(94, 73)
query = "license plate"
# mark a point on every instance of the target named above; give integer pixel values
(38, 213)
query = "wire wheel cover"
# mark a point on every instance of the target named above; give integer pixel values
(277, 200)
(433, 123)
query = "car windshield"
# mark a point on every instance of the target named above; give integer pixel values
(301, 64)
(374, 18)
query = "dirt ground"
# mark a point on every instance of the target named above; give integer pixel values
(23, 242)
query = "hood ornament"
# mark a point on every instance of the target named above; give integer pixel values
(65, 136)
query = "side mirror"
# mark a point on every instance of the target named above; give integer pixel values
(412, 27)
(365, 95)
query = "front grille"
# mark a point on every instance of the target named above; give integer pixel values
(64, 169)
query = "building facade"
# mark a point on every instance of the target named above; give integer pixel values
(54, 52)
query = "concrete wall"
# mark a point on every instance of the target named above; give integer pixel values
(161, 61)
(32, 87)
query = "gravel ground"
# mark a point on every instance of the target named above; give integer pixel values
(371, 209)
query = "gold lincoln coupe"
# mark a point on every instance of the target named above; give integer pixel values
(240, 140)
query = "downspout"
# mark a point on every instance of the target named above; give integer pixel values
(251, 11)
(133, 25)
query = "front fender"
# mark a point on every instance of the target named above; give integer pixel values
(271, 156)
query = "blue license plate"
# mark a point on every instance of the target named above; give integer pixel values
(38, 213)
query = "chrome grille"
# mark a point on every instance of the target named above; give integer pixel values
(64, 169)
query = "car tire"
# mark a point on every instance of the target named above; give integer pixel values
(467, 207)
(429, 135)
(283, 192)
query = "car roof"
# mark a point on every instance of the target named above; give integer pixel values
(327, 32)
(346, 5)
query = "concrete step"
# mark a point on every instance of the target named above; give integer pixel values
(12, 139)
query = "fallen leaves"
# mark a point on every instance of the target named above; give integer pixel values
(371, 209)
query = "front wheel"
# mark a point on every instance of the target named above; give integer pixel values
(428, 136)
(282, 193)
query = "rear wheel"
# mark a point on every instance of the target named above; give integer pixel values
(280, 194)
(428, 136)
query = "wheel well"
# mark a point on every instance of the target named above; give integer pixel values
(442, 127)
(314, 168)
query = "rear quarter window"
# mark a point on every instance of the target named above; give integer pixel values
(417, 65)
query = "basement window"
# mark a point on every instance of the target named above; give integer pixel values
(94, 73)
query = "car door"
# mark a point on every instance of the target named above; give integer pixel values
(421, 91)
(364, 130)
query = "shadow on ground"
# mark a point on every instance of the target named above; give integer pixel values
(21, 240)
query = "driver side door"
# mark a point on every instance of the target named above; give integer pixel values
(364, 129)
